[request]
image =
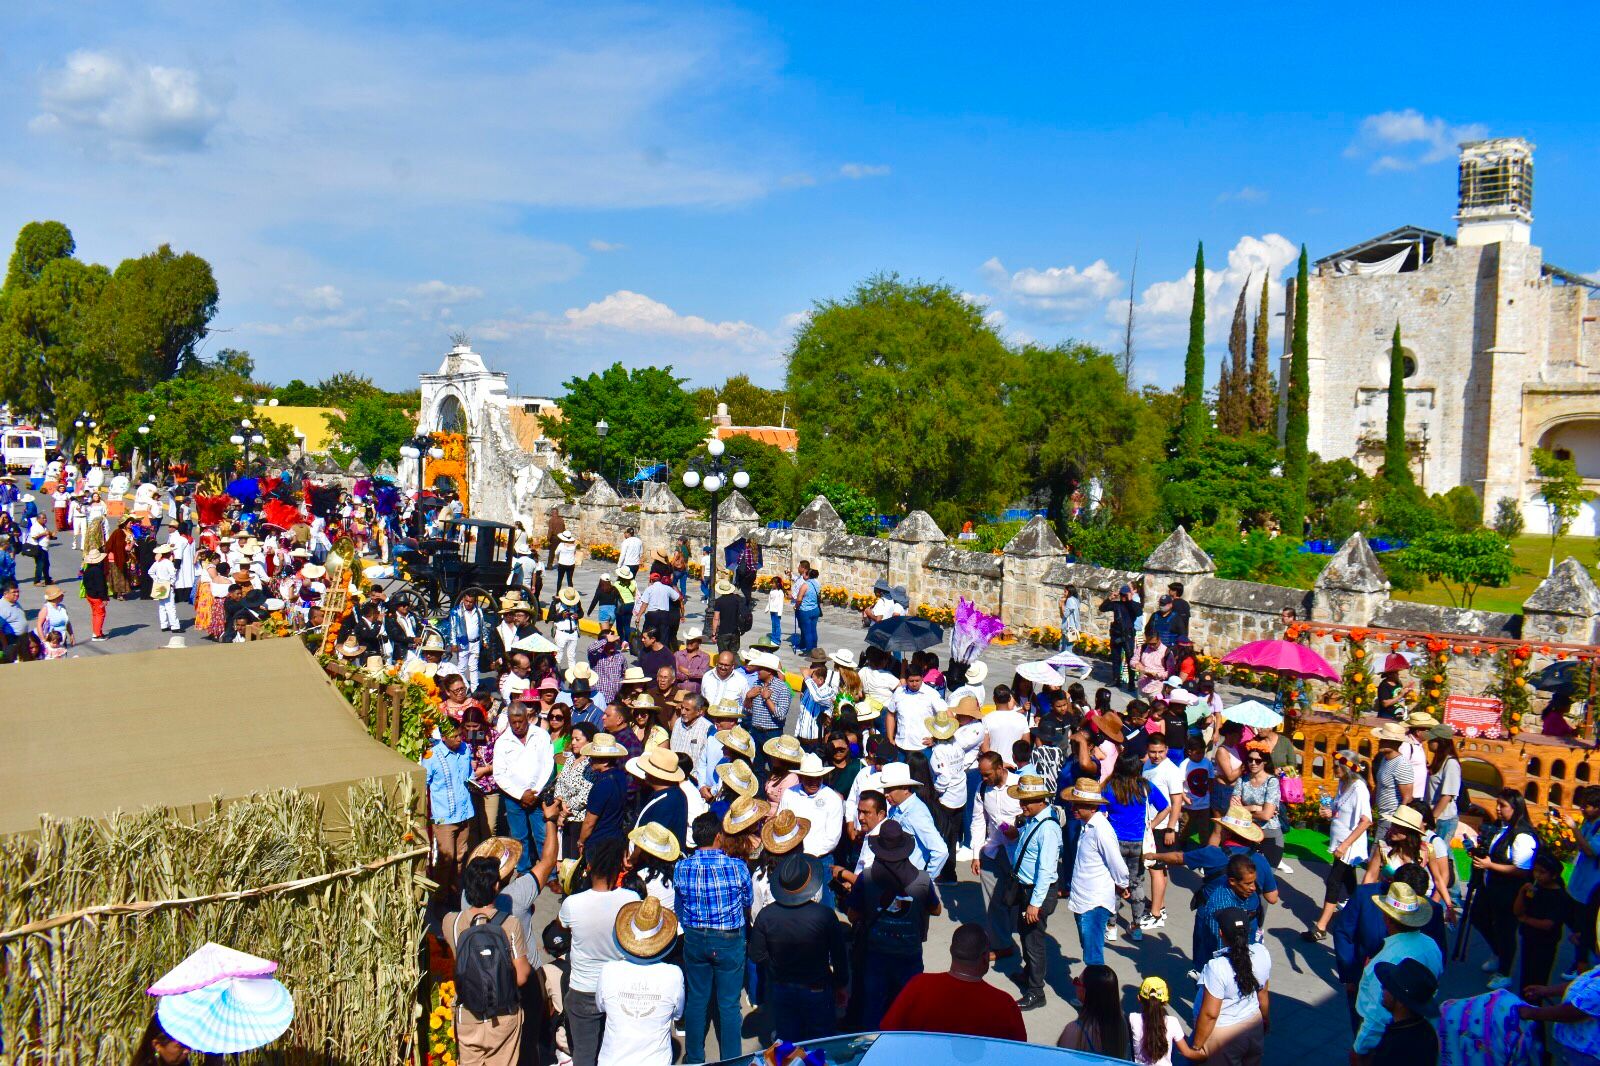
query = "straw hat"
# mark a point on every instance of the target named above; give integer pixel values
(765, 660)
(1237, 821)
(515, 602)
(658, 763)
(646, 929)
(895, 775)
(738, 778)
(565, 537)
(811, 766)
(1421, 720)
(53, 594)
(785, 748)
(163, 549)
(1110, 724)
(743, 813)
(726, 709)
(869, 709)
(692, 634)
(578, 670)
(432, 640)
(967, 707)
(784, 832)
(1032, 787)
(351, 648)
(739, 741)
(653, 838)
(603, 746)
(846, 658)
(504, 850)
(90, 558)
(817, 657)
(942, 726)
(795, 880)
(1407, 818)
(642, 702)
(176, 642)
(623, 573)
(724, 587)
(633, 675)
(1393, 731)
(977, 672)
(1405, 906)
(311, 571)
(570, 597)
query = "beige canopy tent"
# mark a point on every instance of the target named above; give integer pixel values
(175, 727)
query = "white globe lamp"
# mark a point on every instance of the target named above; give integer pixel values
(713, 483)
(691, 479)
(715, 447)
(741, 480)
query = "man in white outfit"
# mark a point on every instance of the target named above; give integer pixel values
(162, 576)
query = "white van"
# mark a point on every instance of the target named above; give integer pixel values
(22, 448)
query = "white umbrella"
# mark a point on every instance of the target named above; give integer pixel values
(534, 644)
(1254, 714)
(1070, 665)
(1041, 673)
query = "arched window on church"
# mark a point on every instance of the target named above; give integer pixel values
(452, 418)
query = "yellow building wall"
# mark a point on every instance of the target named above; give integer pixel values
(307, 421)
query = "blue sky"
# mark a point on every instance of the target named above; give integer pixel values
(674, 184)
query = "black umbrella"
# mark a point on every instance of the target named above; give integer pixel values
(904, 634)
(1560, 676)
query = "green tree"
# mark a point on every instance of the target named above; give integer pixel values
(38, 244)
(748, 403)
(1195, 421)
(1296, 445)
(1508, 520)
(1101, 542)
(1335, 492)
(1225, 476)
(1396, 455)
(193, 421)
(854, 507)
(297, 394)
(1263, 387)
(1233, 393)
(151, 316)
(647, 415)
(774, 479)
(371, 428)
(1259, 556)
(344, 387)
(43, 323)
(1461, 508)
(1561, 488)
(900, 389)
(1460, 563)
(1112, 439)
(1407, 515)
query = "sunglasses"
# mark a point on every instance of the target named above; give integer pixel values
(1255, 761)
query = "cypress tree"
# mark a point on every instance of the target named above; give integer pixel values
(1296, 444)
(1263, 390)
(1233, 405)
(1396, 458)
(1195, 420)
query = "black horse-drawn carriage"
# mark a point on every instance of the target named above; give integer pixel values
(474, 554)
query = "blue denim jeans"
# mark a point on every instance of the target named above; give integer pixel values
(713, 973)
(777, 627)
(526, 827)
(882, 978)
(761, 736)
(680, 578)
(1092, 935)
(800, 1013)
(807, 620)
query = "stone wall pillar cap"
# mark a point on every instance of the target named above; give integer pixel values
(918, 527)
(819, 515)
(1036, 540)
(1568, 590)
(1179, 554)
(1354, 568)
(601, 494)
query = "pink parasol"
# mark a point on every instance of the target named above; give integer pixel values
(207, 965)
(1281, 657)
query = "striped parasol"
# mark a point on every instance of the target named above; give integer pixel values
(228, 1016)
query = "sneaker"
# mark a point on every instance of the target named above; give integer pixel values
(1491, 966)
(1154, 921)
(1136, 934)
(1314, 935)
(96, 640)
(1111, 934)
(1194, 975)
(963, 854)
(1283, 867)
(1497, 983)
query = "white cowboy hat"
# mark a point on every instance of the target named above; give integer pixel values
(693, 633)
(565, 537)
(811, 766)
(977, 672)
(846, 658)
(765, 660)
(895, 775)
(623, 573)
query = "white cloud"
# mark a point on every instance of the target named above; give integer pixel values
(798, 180)
(126, 107)
(996, 319)
(1405, 140)
(597, 245)
(342, 321)
(441, 293)
(323, 298)
(1247, 194)
(1161, 317)
(633, 312)
(794, 320)
(1058, 292)
(857, 171)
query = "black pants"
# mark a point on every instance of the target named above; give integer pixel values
(41, 562)
(1033, 942)
(728, 642)
(564, 575)
(659, 623)
(1272, 848)
(1538, 957)
(1492, 917)
(1121, 654)
(948, 821)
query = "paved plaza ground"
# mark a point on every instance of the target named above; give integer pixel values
(1309, 1018)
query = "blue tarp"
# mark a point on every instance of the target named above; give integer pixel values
(1329, 547)
(649, 473)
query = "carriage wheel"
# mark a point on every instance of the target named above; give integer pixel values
(419, 600)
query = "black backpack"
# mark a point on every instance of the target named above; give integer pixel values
(746, 618)
(486, 978)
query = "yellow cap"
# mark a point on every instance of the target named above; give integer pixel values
(1155, 988)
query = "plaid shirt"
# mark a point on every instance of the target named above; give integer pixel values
(713, 890)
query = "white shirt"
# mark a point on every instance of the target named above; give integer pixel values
(162, 572)
(1005, 727)
(775, 600)
(630, 553)
(969, 738)
(1217, 977)
(592, 918)
(949, 775)
(1098, 871)
(566, 553)
(717, 690)
(640, 1002)
(880, 684)
(975, 691)
(994, 808)
(825, 812)
(523, 765)
(1351, 804)
(1168, 778)
(1414, 751)
(866, 781)
(1522, 849)
(911, 713)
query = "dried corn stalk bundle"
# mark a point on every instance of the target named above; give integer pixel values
(335, 903)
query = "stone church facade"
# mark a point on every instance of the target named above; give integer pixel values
(1502, 348)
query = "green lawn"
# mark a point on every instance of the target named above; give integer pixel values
(1532, 552)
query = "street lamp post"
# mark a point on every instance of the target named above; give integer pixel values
(244, 435)
(713, 474)
(80, 424)
(144, 433)
(420, 448)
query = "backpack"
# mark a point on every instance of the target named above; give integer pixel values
(486, 979)
(746, 618)
(896, 928)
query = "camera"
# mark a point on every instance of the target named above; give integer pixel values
(1479, 851)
